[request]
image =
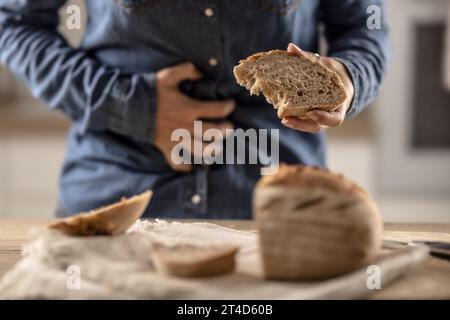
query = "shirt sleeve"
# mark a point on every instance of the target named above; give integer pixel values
(357, 35)
(98, 96)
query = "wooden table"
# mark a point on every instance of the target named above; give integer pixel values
(431, 280)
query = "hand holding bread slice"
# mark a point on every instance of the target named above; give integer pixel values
(308, 91)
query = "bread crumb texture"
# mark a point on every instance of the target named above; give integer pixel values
(292, 84)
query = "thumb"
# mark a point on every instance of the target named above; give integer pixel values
(172, 76)
(292, 48)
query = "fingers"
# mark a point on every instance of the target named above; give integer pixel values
(221, 127)
(205, 143)
(212, 110)
(172, 76)
(318, 119)
(292, 48)
(180, 166)
(330, 119)
(306, 125)
(208, 141)
(202, 150)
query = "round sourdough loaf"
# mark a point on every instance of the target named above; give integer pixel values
(314, 224)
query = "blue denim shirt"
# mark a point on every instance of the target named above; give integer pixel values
(107, 87)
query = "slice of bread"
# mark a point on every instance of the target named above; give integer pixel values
(110, 220)
(293, 84)
(194, 261)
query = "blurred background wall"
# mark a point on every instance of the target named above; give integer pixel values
(398, 148)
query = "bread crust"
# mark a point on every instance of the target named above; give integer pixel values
(109, 220)
(314, 224)
(312, 177)
(194, 262)
(287, 109)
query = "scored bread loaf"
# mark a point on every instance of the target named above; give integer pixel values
(194, 261)
(109, 220)
(314, 224)
(293, 84)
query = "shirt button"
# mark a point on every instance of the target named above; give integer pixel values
(196, 199)
(209, 12)
(213, 62)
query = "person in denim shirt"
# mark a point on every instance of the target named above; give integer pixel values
(147, 67)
